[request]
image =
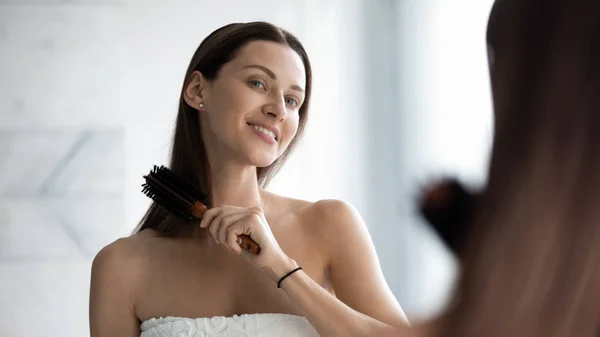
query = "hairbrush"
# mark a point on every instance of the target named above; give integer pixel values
(183, 199)
(449, 207)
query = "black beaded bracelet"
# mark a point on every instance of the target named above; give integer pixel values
(286, 275)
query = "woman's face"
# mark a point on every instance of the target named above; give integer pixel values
(251, 110)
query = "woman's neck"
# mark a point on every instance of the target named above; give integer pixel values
(236, 186)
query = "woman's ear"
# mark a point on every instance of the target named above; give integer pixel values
(195, 92)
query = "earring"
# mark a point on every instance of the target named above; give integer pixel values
(201, 105)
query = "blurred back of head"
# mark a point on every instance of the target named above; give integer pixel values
(531, 262)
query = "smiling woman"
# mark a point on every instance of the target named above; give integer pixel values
(243, 106)
(248, 98)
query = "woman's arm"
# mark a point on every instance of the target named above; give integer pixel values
(364, 305)
(111, 293)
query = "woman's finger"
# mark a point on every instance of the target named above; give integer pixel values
(233, 233)
(216, 221)
(209, 215)
(226, 222)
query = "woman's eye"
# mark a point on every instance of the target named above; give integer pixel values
(292, 101)
(257, 84)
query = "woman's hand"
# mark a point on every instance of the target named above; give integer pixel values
(227, 223)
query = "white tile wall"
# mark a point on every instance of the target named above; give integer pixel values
(62, 159)
(61, 66)
(96, 3)
(48, 298)
(27, 159)
(32, 231)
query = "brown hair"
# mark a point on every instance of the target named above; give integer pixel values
(188, 155)
(531, 265)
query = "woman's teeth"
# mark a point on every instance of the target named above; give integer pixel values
(263, 130)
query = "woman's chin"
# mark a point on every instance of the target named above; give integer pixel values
(262, 164)
(262, 160)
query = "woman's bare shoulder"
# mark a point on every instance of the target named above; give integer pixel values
(125, 258)
(321, 213)
(280, 204)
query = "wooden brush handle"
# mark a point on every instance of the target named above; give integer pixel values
(248, 244)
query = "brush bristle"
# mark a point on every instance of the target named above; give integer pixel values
(181, 186)
(173, 205)
(172, 192)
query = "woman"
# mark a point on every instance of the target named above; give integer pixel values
(531, 252)
(243, 106)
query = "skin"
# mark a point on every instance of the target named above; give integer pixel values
(341, 289)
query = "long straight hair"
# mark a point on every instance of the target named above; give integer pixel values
(531, 265)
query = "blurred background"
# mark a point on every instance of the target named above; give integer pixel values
(88, 97)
